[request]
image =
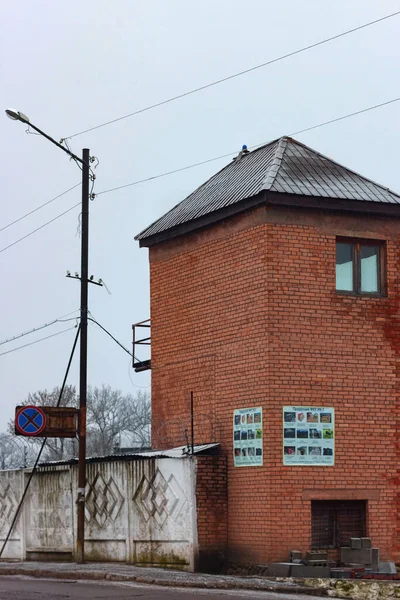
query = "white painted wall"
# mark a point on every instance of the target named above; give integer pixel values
(141, 511)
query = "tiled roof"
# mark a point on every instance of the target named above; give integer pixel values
(284, 166)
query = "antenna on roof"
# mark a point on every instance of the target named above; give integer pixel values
(243, 151)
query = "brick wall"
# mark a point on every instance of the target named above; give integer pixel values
(212, 512)
(245, 314)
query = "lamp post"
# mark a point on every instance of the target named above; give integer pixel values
(84, 161)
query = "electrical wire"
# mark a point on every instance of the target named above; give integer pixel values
(111, 336)
(39, 207)
(57, 320)
(203, 162)
(71, 154)
(93, 175)
(37, 341)
(353, 114)
(238, 74)
(39, 228)
(141, 387)
(123, 348)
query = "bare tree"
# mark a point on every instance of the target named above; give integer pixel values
(114, 419)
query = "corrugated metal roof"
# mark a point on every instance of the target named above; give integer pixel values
(177, 452)
(285, 166)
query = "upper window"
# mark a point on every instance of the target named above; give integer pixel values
(360, 266)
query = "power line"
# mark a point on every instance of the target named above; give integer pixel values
(39, 228)
(238, 74)
(112, 337)
(353, 114)
(141, 387)
(203, 162)
(39, 207)
(57, 320)
(37, 341)
(123, 348)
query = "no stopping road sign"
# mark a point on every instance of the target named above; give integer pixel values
(30, 420)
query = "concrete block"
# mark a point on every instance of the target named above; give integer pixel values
(355, 556)
(280, 569)
(365, 556)
(374, 556)
(296, 570)
(366, 543)
(295, 555)
(306, 571)
(348, 555)
(387, 568)
(355, 543)
(316, 555)
(340, 573)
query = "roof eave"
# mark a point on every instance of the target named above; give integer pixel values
(333, 204)
(275, 199)
(204, 221)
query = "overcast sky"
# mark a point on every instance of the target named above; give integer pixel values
(73, 65)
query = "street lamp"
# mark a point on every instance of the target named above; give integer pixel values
(16, 115)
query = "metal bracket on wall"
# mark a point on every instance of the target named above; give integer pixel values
(140, 365)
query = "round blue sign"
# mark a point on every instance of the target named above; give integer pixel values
(30, 420)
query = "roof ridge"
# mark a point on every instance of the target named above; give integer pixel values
(275, 164)
(229, 164)
(284, 166)
(382, 187)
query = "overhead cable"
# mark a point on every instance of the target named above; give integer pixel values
(57, 320)
(238, 74)
(39, 228)
(111, 336)
(37, 341)
(39, 207)
(203, 162)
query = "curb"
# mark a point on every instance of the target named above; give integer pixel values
(101, 576)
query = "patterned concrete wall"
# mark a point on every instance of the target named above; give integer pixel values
(141, 512)
(11, 483)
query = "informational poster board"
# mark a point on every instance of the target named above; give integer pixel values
(247, 437)
(308, 436)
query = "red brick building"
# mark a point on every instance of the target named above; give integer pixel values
(275, 287)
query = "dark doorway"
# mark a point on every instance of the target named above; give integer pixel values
(334, 522)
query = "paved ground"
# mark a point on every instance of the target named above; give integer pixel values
(24, 588)
(161, 577)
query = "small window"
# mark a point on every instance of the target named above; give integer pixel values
(360, 267)
(334, 522)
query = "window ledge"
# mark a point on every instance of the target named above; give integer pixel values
(361, 295)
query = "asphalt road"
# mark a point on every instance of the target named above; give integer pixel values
(24, 588)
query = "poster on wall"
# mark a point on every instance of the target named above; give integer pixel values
(247, 437)
(308, 436)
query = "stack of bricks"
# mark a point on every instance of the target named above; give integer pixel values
(360, 553)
